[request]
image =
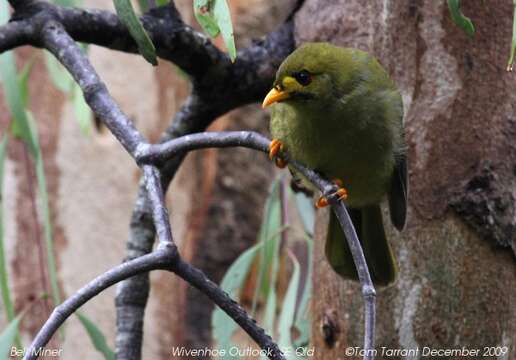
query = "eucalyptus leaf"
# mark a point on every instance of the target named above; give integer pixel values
(58, 74)
(203, 12)
(4, 12)
(459, 19)
(268, 235)
(8, 336)
(223, 326)
(14, 99)
(125, 11)
(306, 210)
(222, 16)
(143, 5)
(82, 110)
(288, 310)
(96, 336)
(4, 281)
(302, 322)
(214, 17)
(45, 211)
(23, 79)
(67, 3)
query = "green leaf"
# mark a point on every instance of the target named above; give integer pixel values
(306, 210)
(270, 230)
(162, 2)
(143, 5)
(288, 310)
(23, 79)
(459, 19)
(203, 12)
(302, 322)
(222, 16)
(223, 326)
(513, 44)
(96, 336)
(58, 74)
(125, 11)
(82, 110)
(45, 211)
(4, 12)
(214, 17)
(4, 281)
(65, 83)
(8, 336)
(67, 3)
(13, 96)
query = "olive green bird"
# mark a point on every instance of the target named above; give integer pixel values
(337, 111)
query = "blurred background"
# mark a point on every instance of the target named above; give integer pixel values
(457, 255)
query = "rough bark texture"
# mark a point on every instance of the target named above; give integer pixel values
(457, 268)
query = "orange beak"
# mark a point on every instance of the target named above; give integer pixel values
(273, 96)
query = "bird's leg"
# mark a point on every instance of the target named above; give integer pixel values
(275, 147)
(340, 194)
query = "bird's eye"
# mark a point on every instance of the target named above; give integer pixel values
(303, 77)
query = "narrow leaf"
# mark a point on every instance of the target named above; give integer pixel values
(13, 92)
(4, 284)
(306, 210)
(302, 322)
(23, 79)
(58, 74)
(8, 336)
(203, 12)
(4, 12)
(459, 19)
(222, 16)
(288, 309)
(125, 11)
(162, 2)
(96, 336)
(143, 5)
(81, 109)
(45, 211)
(268, 235)
(223, 326)
(67, 3)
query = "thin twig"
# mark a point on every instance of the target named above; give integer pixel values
(160, 259)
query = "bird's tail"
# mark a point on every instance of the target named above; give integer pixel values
(379, 257)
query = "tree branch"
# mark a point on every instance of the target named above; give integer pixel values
(155, 154)
(219, 86)
(253, 74)
(160, 259)
(16, 33)
(62, 46)
(166, 257)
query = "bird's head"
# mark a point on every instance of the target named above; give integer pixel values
(312, 75)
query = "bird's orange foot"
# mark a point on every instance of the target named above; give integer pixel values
(275, 147)
(340, 194)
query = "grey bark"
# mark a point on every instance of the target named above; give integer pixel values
(457, 268)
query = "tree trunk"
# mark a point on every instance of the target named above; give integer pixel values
(457, 268)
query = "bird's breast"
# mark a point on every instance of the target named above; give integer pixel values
(327, 142)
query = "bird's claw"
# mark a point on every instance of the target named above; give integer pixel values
(340, 194)
(275, 147)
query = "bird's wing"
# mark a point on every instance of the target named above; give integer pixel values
(398, 193)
